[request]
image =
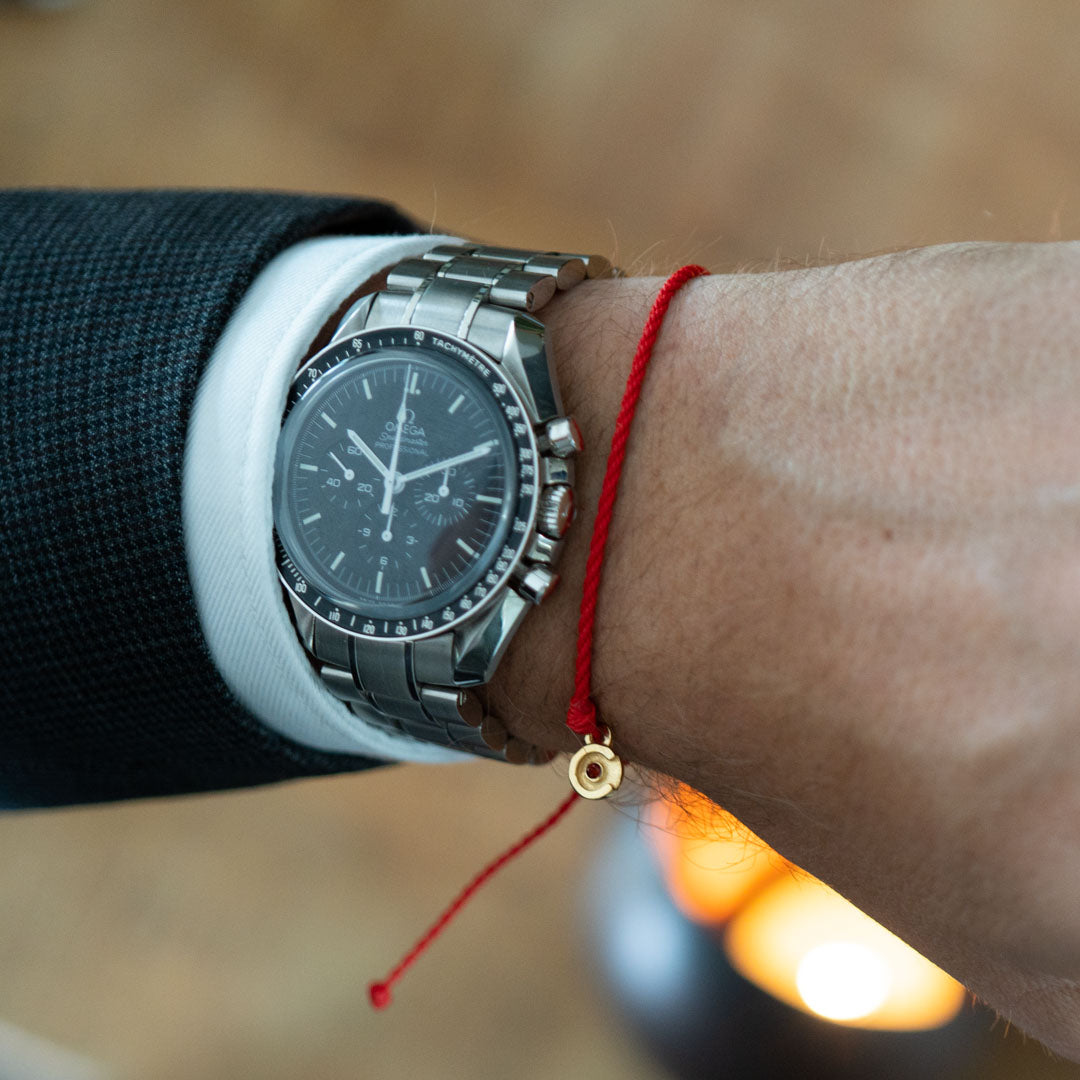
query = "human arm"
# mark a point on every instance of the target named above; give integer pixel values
(842, 593)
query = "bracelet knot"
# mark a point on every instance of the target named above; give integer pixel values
(581, 717)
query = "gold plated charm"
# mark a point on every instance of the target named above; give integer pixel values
(596, 770)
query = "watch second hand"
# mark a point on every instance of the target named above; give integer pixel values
(390, 481)
(349, 474)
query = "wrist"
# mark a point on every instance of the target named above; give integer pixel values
(594, 331)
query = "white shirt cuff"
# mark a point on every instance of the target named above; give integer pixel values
(227, 503)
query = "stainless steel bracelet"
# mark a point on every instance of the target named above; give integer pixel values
(484, 295)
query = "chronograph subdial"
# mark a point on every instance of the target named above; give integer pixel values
(445, 498)
(397, 538)
(346, 480)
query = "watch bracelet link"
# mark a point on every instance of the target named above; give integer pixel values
(409, 687)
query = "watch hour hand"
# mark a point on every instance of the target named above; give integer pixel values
(448, 463)
(367, 452)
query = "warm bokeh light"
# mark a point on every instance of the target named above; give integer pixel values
(788, 933)
(843, 981)
(711, 862)
(807, 946)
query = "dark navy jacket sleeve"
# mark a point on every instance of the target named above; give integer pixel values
(110, 306)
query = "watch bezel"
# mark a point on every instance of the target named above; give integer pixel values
(474, 600)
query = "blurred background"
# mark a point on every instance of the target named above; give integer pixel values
(233, 935)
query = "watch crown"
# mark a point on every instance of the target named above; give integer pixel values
(556, 510)
(537, 583)
(562, 437)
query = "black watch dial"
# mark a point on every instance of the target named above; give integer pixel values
(405, 482)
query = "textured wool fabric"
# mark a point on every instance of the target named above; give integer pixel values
(110, 305)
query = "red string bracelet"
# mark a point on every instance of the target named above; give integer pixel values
(581, 716)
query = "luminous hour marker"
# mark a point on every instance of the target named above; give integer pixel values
(337, 561)
(457, 403)
(310, 468)
(378, 582)
(465, 547)
(412, 383)
(495, 500)
(424, 575)
(328, 420)
(367, 389)
(314, 517)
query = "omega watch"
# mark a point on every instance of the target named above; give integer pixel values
(423, 484)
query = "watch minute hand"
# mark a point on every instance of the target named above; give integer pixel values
(367, 452)
(448, 463)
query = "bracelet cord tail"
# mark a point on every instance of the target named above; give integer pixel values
(581, 715)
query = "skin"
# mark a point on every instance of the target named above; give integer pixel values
(842, 592)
